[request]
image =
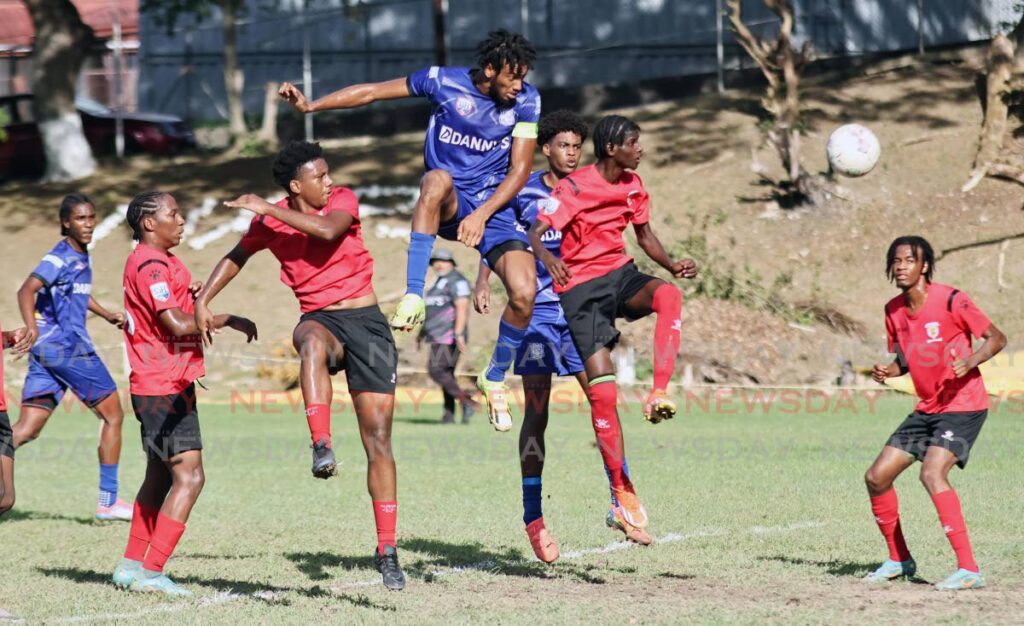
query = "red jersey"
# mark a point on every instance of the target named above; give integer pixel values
(321, 273)
(3, 398)
(162, 364)
(592, 213)
(944, 324)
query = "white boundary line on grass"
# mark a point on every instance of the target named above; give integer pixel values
(228, 596)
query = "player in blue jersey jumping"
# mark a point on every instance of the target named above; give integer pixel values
(54, 301)
(547, 348)
(478, 152)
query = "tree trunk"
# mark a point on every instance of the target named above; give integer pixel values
(993, 127)
(234, 78)
(268, 132)
(61, 42)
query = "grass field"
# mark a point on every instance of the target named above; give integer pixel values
(760, 513)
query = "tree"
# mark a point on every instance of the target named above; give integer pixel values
(62, 40)
(781, 65)
(167, 13)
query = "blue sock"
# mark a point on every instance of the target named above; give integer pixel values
(108, 484)
(420, 246)
(505, 349)
(625, 472)
(531, 499)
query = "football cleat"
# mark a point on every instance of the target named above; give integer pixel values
(119, 511)
(126, 572)
(410, 313)
(543, 543)
(962, 580)
(616, 520)
(158, 584)
(892, 569)
(632, 510)
(324, 465)
(659, 407)
(391, 571)
(496, 401)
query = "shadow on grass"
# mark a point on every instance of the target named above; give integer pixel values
(364, 602)
(436, 421)
(315, 564)
(837, 568)
(21, 515)
(674, 576)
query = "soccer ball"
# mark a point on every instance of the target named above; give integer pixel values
(852, 150)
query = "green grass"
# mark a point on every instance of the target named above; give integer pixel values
(768, 509)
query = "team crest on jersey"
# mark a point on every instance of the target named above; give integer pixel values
(547, 206)
(160, 291)
(464, 105)
(507, 117)
(934, 332)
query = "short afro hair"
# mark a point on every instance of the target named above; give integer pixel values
(291, 158)
(561, 121)
(612, 129)
(922, 251)
(502, 48)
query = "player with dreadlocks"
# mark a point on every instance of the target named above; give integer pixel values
(597, 283)
(315, 233)
(478, 153)
(166, 357)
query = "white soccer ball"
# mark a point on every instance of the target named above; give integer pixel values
(853, 150)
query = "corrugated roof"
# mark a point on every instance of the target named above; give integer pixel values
(16, 28)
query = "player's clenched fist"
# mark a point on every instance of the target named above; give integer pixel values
(293, 95)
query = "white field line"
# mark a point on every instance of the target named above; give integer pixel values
(228, 596)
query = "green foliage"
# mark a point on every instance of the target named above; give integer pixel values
(4, 120)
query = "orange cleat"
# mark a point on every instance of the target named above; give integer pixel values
(632, 511)
(543, 543)
(616, 520)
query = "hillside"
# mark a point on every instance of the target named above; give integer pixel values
(707, 203)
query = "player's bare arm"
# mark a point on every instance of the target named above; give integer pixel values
(326, 227)
(471, 229)
(897, 368)
(12, 337)
(482, 289)
(225, 271)
(117, 319)
(559, 271)
(651, 245)
(995, 341)
(181, 324)
(27, 306)
(349, 97)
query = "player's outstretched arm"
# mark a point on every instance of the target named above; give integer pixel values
(559, 271)
(225, 271)
(326, 227)
(181, 324)
(995, 341)
(471, 229)
(651, 245)
(27, 306)
(482, 289)
(117, 319)
(349, 97)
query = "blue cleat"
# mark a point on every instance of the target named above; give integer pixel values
(148, 583)
(126, 572)
(961, 580)
(892, 569)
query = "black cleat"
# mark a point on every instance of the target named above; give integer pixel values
(387, 565)
(324, 465)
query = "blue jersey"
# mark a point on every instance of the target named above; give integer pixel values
(526, 205)
(62, 304)
(470, 135)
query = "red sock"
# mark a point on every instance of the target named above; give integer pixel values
(951, 517)
(143, 523)
(385, 514)
(161, 547)
(605, 418)
(886, 508)
(319, 418)
(668, 304)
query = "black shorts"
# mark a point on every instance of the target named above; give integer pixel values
(955, 432)
(370, 360)
(170, 424)
(494, 254)
(6, 436)
(591, 308)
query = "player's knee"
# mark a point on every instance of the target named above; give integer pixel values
(193, 481)
(875, 482)
(436, 182)
(378, 440)
(521, 302)
(667, 298)
(933, 478)
(309, 346)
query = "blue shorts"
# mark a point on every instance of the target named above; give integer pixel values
(547, 347)
(54, 368)
(503, 225)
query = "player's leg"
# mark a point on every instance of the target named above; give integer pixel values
(148, 500)
(375, 412)
(438, 203)
(6, 463)
(879, 479)
(666, 301)
(320, 353)
(518, 272)
(111, 416)
(537, 396)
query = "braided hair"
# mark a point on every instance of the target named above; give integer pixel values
(502, 48)
(552, 124)
(613, 130)
(922, 250)
(291, 158)
(69, 202)
(144, 204)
